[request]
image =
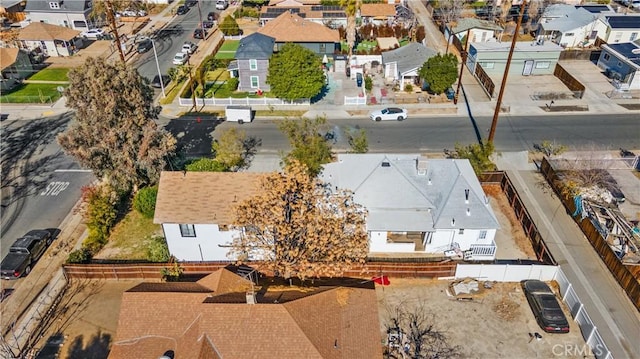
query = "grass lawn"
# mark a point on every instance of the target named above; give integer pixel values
(218, 75)
(230, 45)
(281, 113)
(225, 55)
(32, 93)
(130, 238)
(171, 93)
(362, 46)
(59, 74)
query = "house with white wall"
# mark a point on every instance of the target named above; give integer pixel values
(417, 204)
(621, 28)
(73, 14)
(569, 26)
(195, 210)
(402, 64)
(478, 30)
(50, 40)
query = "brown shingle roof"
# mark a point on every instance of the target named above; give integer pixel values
(202, 197)
(39, 31)
(8, 57)
(224, 281)
(310, 327)
(290, 27)
(292, 2)
(385, 10)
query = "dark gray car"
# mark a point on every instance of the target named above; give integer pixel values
(545, 306)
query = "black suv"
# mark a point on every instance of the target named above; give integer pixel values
(182, 9)
(199, 33)
(144, 46)
(191, 3)
(212, 16)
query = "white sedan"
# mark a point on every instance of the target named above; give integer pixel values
(180, 58)
(389, 114)
(93, 34)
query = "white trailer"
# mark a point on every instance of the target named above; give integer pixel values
(240, 114)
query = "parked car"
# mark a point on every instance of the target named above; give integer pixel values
(635, 4)
(156, 81)
(207, 24)
(182, 9)
(389, 114)
(189, 47)
(545, 306)
(93, 34)
(212, 16)
(359, 79)
(191, 3)
(180, 58)
(199, 33)
(222, 4)
(144, 46)
(24, 253)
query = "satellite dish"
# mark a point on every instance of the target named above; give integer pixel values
(60, 89)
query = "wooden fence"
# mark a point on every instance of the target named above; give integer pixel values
(619, 271)
(571, 82)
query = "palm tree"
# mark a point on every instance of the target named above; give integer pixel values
(351, 8)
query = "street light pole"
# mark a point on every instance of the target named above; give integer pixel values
(155, 54)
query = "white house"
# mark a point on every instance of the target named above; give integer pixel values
(403, 64)
(70, 13)
(418, 205)
(479, 30)
(569, 26)
(621, 28)
(195, 210)
(50, 40)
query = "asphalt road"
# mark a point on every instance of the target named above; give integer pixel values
(514, 133)
(169, 41)
(44, 182)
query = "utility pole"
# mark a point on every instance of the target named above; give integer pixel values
(204, 36)
(114, 28)
(496, 112)
(464, 61)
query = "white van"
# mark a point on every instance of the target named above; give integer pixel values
(222, 4)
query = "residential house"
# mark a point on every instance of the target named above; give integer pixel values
(403, 64)
(12, 10)
(621, 28)
(50, 40)
(68, 13)
(224, 315)
(418, 205)
(529, 57)
(477, 29)
(377, 14)
(289, 27)
(15, 65)
(195, 210)
(332, 16)
(569, 26)
(289, 3)
(621, 62)
(251, 65)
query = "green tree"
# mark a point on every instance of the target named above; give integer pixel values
(478, 155)
(295, 72)
(115, 134)
(229, 149)
(205, 165)
(229, 26)
(440, 72)
(351, 8)
(299, 228)
(358, 141)
(308, 145)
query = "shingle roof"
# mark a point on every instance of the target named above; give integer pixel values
(408, 57)
(465, 24)
(400, 199)
(65, 6)
(385, 10)
(573, 19)
(8, 57)
(39, 31)
(290, 27)
(255, 46)
(202, 197)
(294, 2)
(337, 322)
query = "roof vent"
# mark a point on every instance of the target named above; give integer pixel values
(466, 195)
(386, 164)
(453, 222)
(468, 212)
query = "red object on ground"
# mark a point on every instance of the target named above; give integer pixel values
(198, 120)
(384, 280)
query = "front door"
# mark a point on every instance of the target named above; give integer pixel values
(528, 68)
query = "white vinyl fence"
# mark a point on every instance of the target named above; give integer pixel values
(517, 273)
(358, 100)
(264, 101)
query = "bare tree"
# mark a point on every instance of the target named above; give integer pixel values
(450, 10)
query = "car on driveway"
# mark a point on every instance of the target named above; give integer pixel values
(93, 34)
(182, 9)
(180, 58)
(389, 114)
(189, 47)
(545, 306)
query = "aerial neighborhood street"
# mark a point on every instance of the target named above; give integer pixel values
(307, 179)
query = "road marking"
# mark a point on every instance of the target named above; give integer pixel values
(72, 170)
(54, 188)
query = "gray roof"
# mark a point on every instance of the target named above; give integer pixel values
(398, 198)
(408, 57)
(467, 23)
(573, 19)
(558, 10)
(65, 6)
(255, 46)
(521, 46)
(9, 3)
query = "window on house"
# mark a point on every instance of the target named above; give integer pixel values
(482, 235)
(607, 57)
(618, 37)
(323, 48)
(428, 238)
(253, 64)
(633, 36)
(543, 64)
(461, 231)
(187, 230)
(255, 82)
(54, 4)
(487, 65)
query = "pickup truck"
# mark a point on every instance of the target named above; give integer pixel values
(24, 253)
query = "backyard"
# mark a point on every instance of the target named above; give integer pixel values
(44, 91)
(228, 50)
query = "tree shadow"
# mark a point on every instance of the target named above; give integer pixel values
(321, 95)
(193, 134)
(96, 347)
(250, 146)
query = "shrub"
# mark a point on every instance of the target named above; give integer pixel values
(102, 210)
(408, 87)
(368, 83)
(232, 84)
(94, 242)
(81, 255)
(157, 251)
(205, 165)
(173, 273)
(145, 201)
